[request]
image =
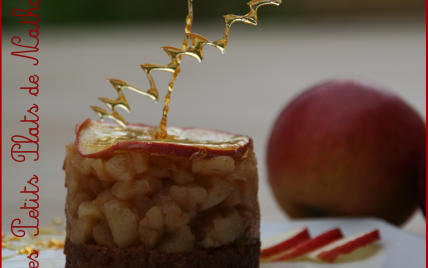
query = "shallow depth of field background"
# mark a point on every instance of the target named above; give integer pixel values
(296, 45)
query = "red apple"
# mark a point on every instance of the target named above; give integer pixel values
(97, 140)
(312, 245)
(283, 242)
(346, 245)
(346, 148)
(422, 184)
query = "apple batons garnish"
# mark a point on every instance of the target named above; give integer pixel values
(277, 244)
(100, 140)
(312, 245)
(346, 245)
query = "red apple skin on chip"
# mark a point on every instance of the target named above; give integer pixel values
(346, 148)
(347, 245)
(312, 245)
(283, 242)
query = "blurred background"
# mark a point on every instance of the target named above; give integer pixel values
(111, 11)
(295, 46)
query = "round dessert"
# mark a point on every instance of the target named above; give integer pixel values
(189, 200)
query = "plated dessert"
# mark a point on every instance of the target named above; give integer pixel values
(189, 200)
(142, 196)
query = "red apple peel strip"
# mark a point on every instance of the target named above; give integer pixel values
(312, 245)
(283, 242)
(348, 245)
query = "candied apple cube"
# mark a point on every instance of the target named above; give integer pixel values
(217, 191)
(215, 166)
(151, 227)
(174, 216)
(235, 196)
(119, 167)
(197, 194)
(76, 200)
(225, 230)
(98, 166)
(182, 176)
(89, 209)
(122, 222)
(140, 161)
(81, 230)
(102, 235)
(84, 165)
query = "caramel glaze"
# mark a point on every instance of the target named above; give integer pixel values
(174, 67)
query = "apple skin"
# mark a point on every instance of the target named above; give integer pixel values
(312, 245)
(346, 148)
(269, 253)
(422, 184)
(348, 245)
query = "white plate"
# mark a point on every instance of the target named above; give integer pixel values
(396, 249)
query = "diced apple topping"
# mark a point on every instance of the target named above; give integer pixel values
(225, 230)
(155, 184)
(70, 150)
(136, 198)
(90, 210)
(174, 216)
(179, 194)
(151, 227)
(92, 185)
(140, 160)
(120, 189)
(182, 176)
(218, 190)
(242, 171)
(122, 222)
(73, 182)
(76, 200)
(81, 230)
(103, 198)
(82, 164)
(218, 165)
(127, 190)
(197, 194)
(120, 167)
(102, 175)
(235, 196)
(103, 236)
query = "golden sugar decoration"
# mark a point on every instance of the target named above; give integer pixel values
(49, 238)
(175, 54)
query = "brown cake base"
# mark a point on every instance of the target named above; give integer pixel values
(92, 256)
